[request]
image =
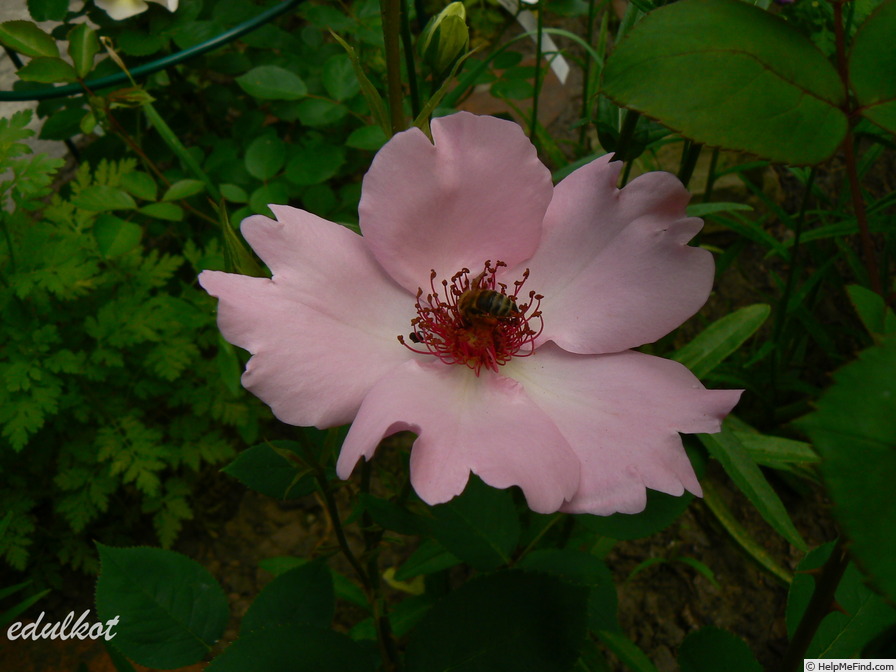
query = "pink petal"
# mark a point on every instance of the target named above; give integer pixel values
(614, 267)
(622, 413)
(324, 329)
(486, 425)
(480, 193)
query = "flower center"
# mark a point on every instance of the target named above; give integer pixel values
(475, 322)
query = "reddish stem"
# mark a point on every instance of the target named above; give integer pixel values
(858, 202)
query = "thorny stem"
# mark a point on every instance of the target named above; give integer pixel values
(819, 606)
(122, 133)
(625, 174)
(369, 577)
(539, 32)
(858, 202)
(586, 68)
(408, 44)
(168, 137)
(532, 544)
(858, 205)
(629, 122)
(689, 155)
(781, 313)
(12, 252)
(391, 11)
(711, 175)
(336, 521)
(386, 641)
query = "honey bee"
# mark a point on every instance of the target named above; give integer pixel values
(475, 304)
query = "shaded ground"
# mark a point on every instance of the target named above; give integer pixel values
(665, 602)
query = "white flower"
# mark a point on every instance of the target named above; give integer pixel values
(122, 9)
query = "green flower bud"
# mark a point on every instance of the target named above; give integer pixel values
(445, 38)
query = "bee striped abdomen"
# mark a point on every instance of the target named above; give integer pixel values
(487, 302)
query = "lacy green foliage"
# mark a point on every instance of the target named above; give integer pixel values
(30, 175)
(108, 365)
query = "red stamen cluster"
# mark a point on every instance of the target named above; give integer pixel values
(475, 322)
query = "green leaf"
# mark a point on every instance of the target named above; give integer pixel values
(626, 650)
(183, 189)
(704, 209)
(102, 197)
(513, 89)
(771, 451)
(267, 194)
(854, 431)
(26, 38)
(842, 634)
(141, 42)
(83, 45)
(745, 473)
(776, 451)
(303, 595)
(170, 609)
(429, 557)
(266, 468)
(319, 199)
(878, 318)
(714, 502)
(581, 569)
(168, 212)
(229, 366)
(662, 510)
(140, 185)
(710, 649)
(392, 516)
(318, 112)
(170, 138)
(729, 74)
(115, 236)
(48, 10)
(265, 156)
(47, 70)
(189, 34)
(271, 82)
(121, 663)
(24, 604)
(63, 124)
(236, 257)
(367, 137)
(294, 648)
(338, 77)
(374, 100)
(314, 164)
(343, 587)
(88, 123)
(872, 66)
(403, 617)
(325, 17)
(426, 112)
(513, 620)
(480, 526)
(721, 338)
(234, 193)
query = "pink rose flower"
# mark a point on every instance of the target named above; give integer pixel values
(492, 314)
